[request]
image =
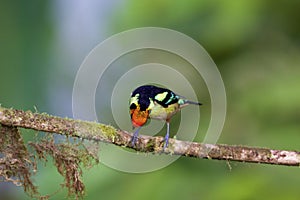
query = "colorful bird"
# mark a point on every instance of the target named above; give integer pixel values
(149, 101)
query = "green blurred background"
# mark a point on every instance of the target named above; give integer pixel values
(255, 44)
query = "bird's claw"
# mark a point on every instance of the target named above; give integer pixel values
(134, 139)
(166, 144)
(135, 136)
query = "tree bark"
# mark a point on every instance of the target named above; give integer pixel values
(106, 133)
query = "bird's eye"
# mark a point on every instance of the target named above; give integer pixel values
(132, 106)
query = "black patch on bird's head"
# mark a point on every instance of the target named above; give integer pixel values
(132, 106)
(147, 92)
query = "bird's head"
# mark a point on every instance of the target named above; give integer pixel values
(138, 117)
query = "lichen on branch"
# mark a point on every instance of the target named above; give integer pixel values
(16, 163)
(67, 158)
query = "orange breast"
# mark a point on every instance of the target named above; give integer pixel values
(139, 118)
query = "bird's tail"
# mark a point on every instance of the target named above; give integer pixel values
(192, 102)
(184, 102)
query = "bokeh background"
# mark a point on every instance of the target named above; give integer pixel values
(255, 44)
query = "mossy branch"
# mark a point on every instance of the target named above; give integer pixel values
(106, 133)
(17, 164)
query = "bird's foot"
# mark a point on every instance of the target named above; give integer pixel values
(166, 144)
(135, 137)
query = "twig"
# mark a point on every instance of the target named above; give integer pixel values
(105, 133)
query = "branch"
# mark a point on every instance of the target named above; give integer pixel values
(105, 133)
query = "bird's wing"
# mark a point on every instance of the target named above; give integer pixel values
(166, 98)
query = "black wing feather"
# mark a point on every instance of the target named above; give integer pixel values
(150, 91)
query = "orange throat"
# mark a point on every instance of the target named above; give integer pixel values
(139, 118)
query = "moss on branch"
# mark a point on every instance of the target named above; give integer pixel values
(68, 158)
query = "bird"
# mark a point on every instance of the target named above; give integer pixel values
(153, 102)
